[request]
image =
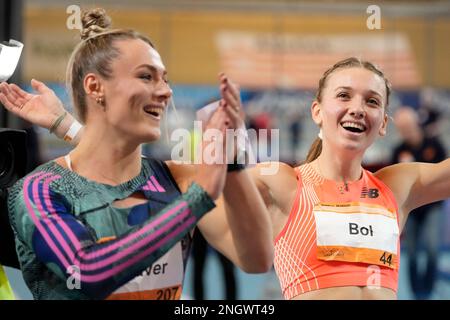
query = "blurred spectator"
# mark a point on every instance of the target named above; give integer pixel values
(423, 221)
(295, 130)
(429, 114)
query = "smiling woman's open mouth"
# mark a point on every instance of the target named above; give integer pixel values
(353, 126)
(154, 111)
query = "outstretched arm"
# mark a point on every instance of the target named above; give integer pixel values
(42, 108)
(416, 184)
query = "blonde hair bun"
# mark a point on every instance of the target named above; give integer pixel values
(94, 21)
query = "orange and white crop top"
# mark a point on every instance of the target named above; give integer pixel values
(337, 236)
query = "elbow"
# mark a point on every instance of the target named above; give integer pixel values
(258, 267)
(97, 290)
(261, 264)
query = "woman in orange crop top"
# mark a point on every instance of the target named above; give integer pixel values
(336, 226)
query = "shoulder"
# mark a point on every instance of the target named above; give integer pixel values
(399, 178)
(395, 171)
(390, 175)
(182, 174)
(277, 179)
(48, 178)
(31, 193)
(39, 173)
(158, 167)
(271, 173)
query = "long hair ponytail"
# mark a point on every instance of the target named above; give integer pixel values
(314, 151)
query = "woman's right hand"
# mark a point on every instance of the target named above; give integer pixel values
(41, 109)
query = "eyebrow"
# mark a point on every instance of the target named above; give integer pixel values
(151, 68)
(350, 88)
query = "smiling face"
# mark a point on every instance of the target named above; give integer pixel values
(137, 92)
(351, 111)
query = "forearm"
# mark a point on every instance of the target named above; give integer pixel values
(249, 222)
(434, 181)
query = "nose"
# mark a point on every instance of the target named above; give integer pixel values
(163, 91)
(357, 108)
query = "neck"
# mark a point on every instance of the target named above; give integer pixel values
(344, 167)
(105, 158)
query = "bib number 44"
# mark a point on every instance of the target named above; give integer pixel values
(386, 258)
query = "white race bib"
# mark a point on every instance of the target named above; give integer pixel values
(162, 281)
(357, 232)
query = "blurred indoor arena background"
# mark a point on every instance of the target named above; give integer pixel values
(276, 51)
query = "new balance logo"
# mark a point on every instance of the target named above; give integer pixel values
(369, 193)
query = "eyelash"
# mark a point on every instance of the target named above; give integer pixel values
(345, 95)
(146, 76)
(149, 77)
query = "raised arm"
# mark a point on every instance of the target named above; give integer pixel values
(42, 108)
(240, 226)
(416, 184)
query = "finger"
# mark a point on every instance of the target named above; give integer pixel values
(18, 101)
(214, 120)
(221, 120)
(235, 120)
(8, 104)
(21, 93)
(230, 99)
(4, 88)
(232, 114)
(232, 87)
(10, 95)
(39, 86)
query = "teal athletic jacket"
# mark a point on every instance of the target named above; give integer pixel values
(73, 243)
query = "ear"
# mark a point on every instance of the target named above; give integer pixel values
(93, 86)
(316, 113)
(383, 128)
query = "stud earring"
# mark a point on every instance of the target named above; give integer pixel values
(101, 101)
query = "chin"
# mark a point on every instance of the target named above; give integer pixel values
(354, 146)
(152, 136)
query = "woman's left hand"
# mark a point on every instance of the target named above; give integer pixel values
(231, 101)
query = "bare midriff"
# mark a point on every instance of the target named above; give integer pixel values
(349, 293)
